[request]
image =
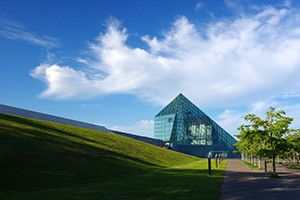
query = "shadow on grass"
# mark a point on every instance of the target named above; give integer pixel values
(56, 142)
(159, 184)
(33, 158)
(37, 164)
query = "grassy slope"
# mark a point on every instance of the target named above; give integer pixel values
(35, 153)
(44, 160)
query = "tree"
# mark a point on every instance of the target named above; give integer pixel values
(294, 143)
(265, 138)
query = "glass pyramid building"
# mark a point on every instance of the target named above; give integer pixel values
(191, 131)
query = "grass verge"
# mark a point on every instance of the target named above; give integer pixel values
(289, 165)
(252, 166)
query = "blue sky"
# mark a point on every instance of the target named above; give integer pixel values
(118, 63)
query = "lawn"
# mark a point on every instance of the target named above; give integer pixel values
(188, 181)
(45, 160)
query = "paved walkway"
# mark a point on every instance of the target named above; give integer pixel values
(241, 182)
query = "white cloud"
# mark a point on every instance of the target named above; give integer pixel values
(286, 3)
(90, 105)
(230, 120)
(199, 5)
(64, 82)
(229, 62)
(14, 31)
(260, 108)
(143, 128)
(294, 112)
(233, 4)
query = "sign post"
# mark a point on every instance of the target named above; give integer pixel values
(209, 167)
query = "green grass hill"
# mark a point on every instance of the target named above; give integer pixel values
(40, 157)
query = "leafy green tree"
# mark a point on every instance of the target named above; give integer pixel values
(265, 138)
(294, 143)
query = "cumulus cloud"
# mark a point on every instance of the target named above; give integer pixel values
(15, 31)
(64, 82)
(228, 62)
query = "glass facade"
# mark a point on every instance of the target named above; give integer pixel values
(191, 131)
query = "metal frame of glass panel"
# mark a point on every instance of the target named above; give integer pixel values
(191, 131)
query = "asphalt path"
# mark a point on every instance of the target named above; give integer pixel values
(241, 182)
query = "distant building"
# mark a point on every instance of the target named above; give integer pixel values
(189, 130)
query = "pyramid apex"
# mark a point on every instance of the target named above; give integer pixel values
(180, 94)
(178, 104)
